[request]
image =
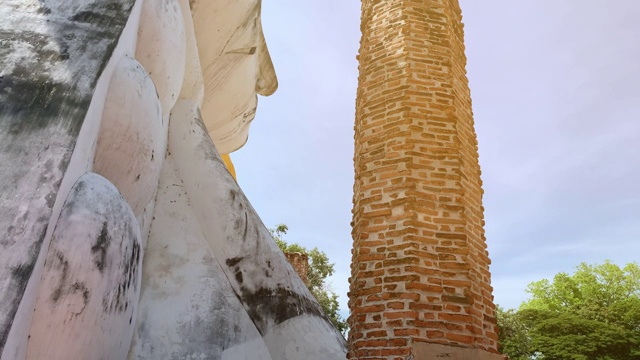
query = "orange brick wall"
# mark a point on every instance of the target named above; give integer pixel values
(420, 269)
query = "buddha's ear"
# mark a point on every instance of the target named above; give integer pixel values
(267, 82)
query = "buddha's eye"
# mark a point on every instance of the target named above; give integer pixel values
(245, 38)
(248, 50)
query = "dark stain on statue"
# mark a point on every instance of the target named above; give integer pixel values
(90, 17)
(131, 267)
(267, 306)
(50, 199)
(238, 204)
(15, 229)
(109, 14)
(44, 10)
(84, 292)
(20, 275)
(19, 278)
(35, 102)
(118, 300)
(100, 247)
(212, 331)
(61, 265)
(31, 98)
(240, 225)
(267, 273)
(274, 306)
(233, 261)
(22, 272)
(29, 95)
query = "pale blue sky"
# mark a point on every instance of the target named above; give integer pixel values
(556, 96)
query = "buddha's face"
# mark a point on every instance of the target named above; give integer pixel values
(236, 66)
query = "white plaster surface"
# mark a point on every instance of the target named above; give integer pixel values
(256, 269)
(132, 139)
(187, 307)
(53, 144)
(161, 48)
(303, 337)
(91, 281)
(193, 84)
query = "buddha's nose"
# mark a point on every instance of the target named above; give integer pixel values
(267, 82)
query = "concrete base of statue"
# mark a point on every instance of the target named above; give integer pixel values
(426, 351)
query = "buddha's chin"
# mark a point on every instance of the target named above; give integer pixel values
(234, 134)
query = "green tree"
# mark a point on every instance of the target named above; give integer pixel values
(592, 314)
(593, 291)
(319, 269)
(565, 335)
(514, 335)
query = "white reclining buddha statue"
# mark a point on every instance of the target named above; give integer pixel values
(124, 235)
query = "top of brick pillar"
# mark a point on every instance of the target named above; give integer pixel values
(300, 263)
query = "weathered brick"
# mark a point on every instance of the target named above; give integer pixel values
(396, 343)
(376, 334)
(460, 339)
(401, 314)
(370, 343)
(406, 332)
(435, 334)
(396, 305)
(420, 268)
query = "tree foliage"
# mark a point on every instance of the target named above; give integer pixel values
(319, 269)
(593, 314)
(514, 338)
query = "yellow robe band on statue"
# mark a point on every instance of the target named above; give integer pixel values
(227, 161)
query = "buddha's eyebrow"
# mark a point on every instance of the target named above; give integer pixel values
(250, 25)
(246, 50)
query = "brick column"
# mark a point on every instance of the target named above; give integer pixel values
(300, 263)
(420, 284)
